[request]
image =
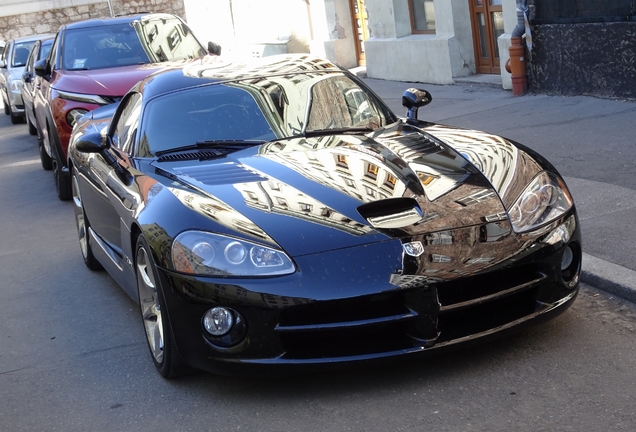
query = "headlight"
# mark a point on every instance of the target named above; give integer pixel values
(546, 198)
(84, 98)
(16, 85)
(206, 254)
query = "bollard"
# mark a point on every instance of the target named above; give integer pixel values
(518, 67)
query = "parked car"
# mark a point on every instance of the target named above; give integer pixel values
(39, 51)
(12, 62)
(94, 63)
(276, 215)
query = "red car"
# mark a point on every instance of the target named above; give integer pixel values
(94, 63)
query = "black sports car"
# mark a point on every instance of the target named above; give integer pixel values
(275, 214)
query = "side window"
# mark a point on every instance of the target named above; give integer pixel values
(126, 124)
(54, 50)
(32, 56)
(5, 54)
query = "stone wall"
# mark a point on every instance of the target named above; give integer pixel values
(595, 59)
(49, 21)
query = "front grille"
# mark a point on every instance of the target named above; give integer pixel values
(361, 326)
(477, 289)
(464, 322)
(111, 99)
(411, 319)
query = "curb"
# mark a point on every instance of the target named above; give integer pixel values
(609, 277)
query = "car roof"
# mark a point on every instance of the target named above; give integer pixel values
(33, 37)
(213, 69)
(117, 20)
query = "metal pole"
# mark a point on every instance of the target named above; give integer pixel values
(110, 6)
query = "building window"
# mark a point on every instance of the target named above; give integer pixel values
(422, 16)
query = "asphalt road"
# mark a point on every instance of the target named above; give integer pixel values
(73, 355)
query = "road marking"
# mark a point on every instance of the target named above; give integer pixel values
(16, 164)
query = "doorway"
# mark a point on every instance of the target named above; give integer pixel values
(360, 21)
(487, 23)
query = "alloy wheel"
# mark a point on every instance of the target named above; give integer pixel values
(79, 218)
(149, 303)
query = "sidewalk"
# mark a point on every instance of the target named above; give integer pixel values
(591, 141)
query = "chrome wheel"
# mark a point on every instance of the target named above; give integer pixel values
(149, 302)
(79, 218)
(82, 226)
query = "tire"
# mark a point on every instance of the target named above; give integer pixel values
(32, 129)
(15, 118)
(62, 182)
(6, 107)
(154, 315)
(45, 159)
(83, 227)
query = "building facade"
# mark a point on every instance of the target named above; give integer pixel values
(432, 41)
(578, 46)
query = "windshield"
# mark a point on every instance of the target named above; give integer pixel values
(261, 110)
(126, 44)
(219, 112)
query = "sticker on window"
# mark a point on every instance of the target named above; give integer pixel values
(79, 63)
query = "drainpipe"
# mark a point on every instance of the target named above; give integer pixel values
(516, 65)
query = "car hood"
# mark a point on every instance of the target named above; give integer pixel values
(103, 82)
(314, 195)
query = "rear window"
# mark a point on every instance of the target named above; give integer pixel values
(21, 53)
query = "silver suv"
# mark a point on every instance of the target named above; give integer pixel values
(12, 64)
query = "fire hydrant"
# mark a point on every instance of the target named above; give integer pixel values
(516, 65)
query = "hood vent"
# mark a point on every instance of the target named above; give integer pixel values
(195, 155)
(218, 174)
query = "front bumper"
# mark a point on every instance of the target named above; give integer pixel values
(15, 100)
(351, 314)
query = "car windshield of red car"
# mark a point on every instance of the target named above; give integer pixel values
(128, 44)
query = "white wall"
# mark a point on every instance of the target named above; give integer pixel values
(259, 27)
(393, 52)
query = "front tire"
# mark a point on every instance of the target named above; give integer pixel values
(15, 118)
(62, 180)
(83, 228)
(32, 129)
(154, 315)
(45, 159)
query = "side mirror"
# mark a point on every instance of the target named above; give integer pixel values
(42, 68)
(26, 77)
(92, 143)
(96, 143)
(214, 48)
(413, 99)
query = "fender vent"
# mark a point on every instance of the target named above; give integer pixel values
(219, 174)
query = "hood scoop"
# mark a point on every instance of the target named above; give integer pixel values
(218, 174)
(392, 213)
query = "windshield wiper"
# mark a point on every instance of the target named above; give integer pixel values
(213, 144)
(333, 131)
